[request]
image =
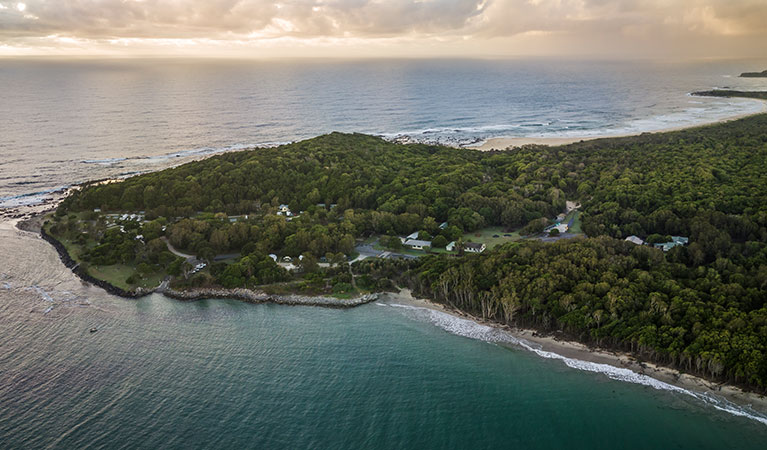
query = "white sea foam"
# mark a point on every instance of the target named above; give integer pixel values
(104, 162)
(29, 199)
(191, 153)
(700, 111)
(63, 298)
(473, 330)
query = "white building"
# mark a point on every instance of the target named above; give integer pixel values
(416, 244)
(450, 247)
(474, 247)
(562, 227)
(635, 240)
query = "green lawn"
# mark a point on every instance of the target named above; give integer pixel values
(485, 236)
(115, 274)
(118, 273)
(576, 228)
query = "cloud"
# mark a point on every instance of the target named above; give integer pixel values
(489, 24)
(237, 18)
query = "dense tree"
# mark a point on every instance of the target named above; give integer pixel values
(700, 307)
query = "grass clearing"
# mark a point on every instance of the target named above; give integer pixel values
(488, 237)
(575, 216)
(118, 273)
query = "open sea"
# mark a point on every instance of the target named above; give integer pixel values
(64, 122)
(161, 373)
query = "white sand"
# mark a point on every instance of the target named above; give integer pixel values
(578, 351)
(506, 143)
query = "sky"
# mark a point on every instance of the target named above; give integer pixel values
(385, 28)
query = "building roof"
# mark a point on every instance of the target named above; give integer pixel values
(475, 245)
(635, 240)
(675, 241)
(443, 225)
(562, 227)
(413, 235)
(417, 243)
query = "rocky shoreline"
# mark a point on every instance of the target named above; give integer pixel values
(251, 296)
(83, 275)
(242, 294)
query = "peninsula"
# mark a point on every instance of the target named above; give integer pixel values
(762, 74)
(653, 244)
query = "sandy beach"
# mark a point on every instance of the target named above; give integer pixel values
(506, 143)
(581, 352)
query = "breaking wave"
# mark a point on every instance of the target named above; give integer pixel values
(28, 199)
(473, 330)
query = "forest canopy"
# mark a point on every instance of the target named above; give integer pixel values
(700, 307)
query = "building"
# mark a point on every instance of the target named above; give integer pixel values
(450, 247)
(562, 227)
(635, 240)
(474, 247)
(443, 225)
(411, 236)
(675, 242)
(561, 217)
(416, 244)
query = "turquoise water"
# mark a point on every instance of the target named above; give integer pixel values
(222, 374)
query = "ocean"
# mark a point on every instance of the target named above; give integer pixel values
(65, 122)
(161, 373)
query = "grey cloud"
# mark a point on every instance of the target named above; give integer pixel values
(234, 18)
(608, 21)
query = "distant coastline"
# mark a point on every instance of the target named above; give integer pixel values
(505, 143)
(762, 74)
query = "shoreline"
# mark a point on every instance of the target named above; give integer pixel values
(508, 143)
(570, 349)
(577, 351)
(524, 338)
(251, 296)
(32, 223)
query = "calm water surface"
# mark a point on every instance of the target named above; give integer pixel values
(220, 374)
(161, 373)
(64, 122)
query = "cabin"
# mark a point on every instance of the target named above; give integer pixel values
(561, 227)
(450, 247)
(675, 242)
(634, 240)
(443, 225)
(474, 247)
(411, 236)
(417, 244)
(273, 256)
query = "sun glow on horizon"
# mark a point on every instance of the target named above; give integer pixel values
(359, 28)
